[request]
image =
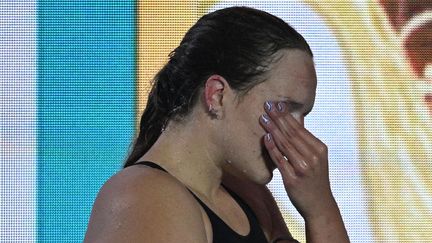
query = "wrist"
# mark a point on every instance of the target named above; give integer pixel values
(326, 227)
(325, 211)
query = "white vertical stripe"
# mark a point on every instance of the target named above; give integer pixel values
(18, 120)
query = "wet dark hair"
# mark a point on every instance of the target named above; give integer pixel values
(237, 43)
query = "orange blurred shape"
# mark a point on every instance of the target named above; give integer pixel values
(400, 12)
(418, 48)
(412, 19)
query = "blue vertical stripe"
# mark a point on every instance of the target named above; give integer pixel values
(86, 105)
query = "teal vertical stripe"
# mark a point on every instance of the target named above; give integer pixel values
(86, 104)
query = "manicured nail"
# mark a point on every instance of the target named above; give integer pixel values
(281, 106)
(268, 136)
(268, 105)
(265, 119)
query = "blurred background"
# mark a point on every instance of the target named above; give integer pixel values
(75, 74)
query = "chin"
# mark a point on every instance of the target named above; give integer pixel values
(264, 178)
(267, 180)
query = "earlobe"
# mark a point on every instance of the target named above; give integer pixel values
(214, 113)
(214, 91)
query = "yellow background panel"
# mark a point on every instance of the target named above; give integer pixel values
(393, 124)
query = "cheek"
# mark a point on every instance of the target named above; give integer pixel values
(246, 129)
(251, 135)
(250, 123)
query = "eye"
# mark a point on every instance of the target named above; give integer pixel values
(293, 105)
(296, 106)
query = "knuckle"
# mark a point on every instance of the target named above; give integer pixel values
(296, 126)
(322, 148)
(285, 146)
(282, 160)
(285, 130)
(303, 168)
(273, 114)
(297, 180)
(295, 133)
(315, 159)
(300, 173)
(292, 132)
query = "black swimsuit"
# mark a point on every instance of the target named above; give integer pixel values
(222, 233)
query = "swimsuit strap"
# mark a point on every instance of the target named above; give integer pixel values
(150, 164)
(221, 231)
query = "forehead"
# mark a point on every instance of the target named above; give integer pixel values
(291, 75)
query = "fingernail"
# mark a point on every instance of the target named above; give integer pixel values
(268, 105)
(268, 136)
(265, 119)
(280, 106)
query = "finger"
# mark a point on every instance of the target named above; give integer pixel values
(285, 146)
(290, 126)
(298, 130)
(277, 111)
(282, 163)
(309, 146)
(292, 134)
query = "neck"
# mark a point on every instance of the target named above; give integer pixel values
(187, 154)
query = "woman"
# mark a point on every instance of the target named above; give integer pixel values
(224, 112)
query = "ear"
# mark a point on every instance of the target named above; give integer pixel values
(214, 91)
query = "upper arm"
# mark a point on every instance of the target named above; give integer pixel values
(149, 208)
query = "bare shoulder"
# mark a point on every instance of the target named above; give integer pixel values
(141, 204)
